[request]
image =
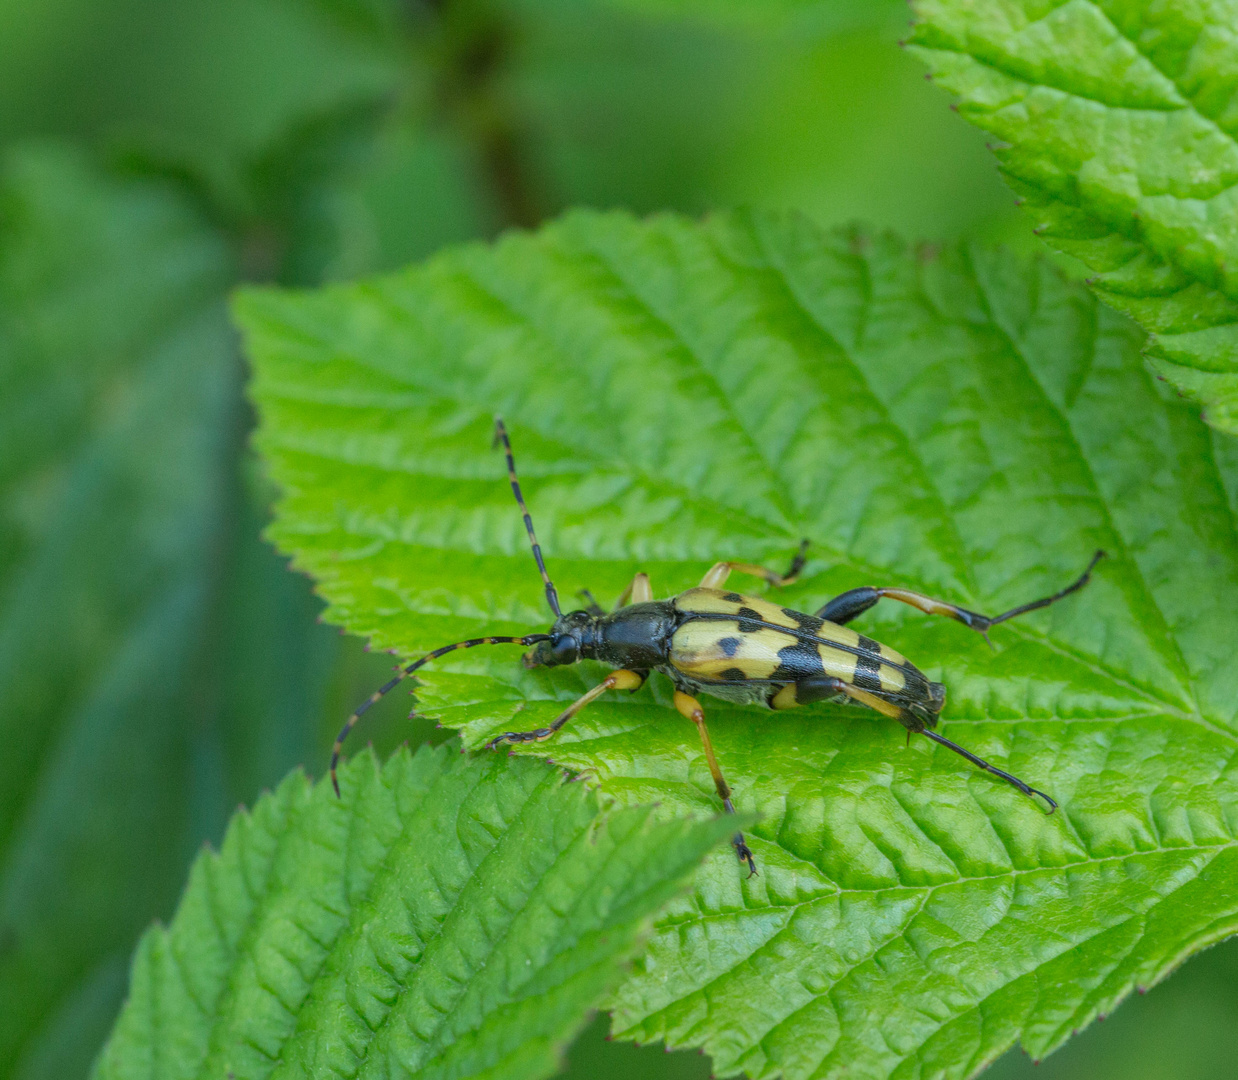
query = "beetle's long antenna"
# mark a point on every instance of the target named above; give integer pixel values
(382, 691)
(500, 436)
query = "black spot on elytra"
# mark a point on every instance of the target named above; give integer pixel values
(733, 598)
(868, 664)
(729, 645)
(806, 622)
(749, 620)
(733, 674)
(797, 662)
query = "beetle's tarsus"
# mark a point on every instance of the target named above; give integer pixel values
(744, 852)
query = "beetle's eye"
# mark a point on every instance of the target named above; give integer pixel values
(564, 650)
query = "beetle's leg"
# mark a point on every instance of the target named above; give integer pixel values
(591, 604)
(717, 574)
(848, 605)
(806, 691)
(616, 680)
(979, 762)
(639, 591)
(819, 687)
(691, 708)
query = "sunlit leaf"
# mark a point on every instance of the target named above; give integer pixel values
(448, 917)
(958, 421)
(1118, 124)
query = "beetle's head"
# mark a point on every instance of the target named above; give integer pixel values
(571, 639)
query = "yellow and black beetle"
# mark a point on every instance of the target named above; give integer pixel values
(710, 640)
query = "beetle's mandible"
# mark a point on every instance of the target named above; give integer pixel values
(710, 640)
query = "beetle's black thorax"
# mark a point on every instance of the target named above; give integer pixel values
(637, 637)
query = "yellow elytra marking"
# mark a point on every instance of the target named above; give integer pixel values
(835, 662)
(892, 680)
(715, 602)
(890, 656)
(697, 649)
(718, 649)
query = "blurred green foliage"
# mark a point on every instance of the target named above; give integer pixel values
(158, 663)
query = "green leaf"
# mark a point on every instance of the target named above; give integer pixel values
(448, 917)
(1119, 130)
(958, 421)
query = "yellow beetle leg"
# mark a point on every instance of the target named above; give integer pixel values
(717, 574)
(638, 592)
(691, 708)
(616, 680)
(848, 605)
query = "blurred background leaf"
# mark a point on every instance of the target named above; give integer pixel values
(300, 140)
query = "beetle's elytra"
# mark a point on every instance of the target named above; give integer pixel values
(710, 640)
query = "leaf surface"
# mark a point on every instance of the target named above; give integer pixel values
(956, 421)
(1118, 127)
(448, 917)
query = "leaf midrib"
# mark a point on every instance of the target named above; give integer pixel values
(1159, 847)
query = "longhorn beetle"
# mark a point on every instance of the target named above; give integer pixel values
(709, 640)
